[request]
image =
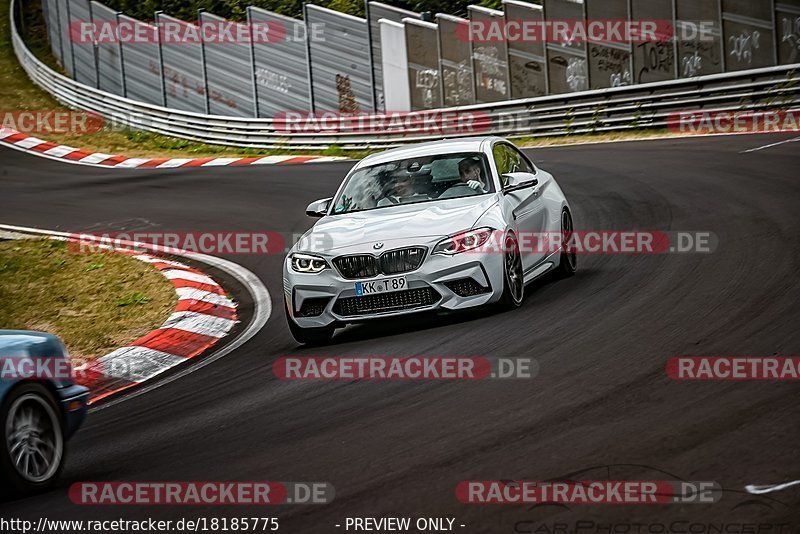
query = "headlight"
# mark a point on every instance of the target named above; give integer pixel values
(464, 241)
(306, 263)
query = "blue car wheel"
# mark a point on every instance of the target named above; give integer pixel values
(32, 453)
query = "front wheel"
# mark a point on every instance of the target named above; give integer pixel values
(309, 336)
(568, 259)
(32, 450)
(513, 282)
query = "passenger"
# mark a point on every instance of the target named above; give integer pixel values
(470, 171)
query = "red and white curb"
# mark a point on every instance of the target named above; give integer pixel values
(34, 145)
(204, 314)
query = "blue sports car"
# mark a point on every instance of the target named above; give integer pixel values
(40, 408)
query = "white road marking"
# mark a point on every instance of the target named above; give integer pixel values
(792, 140)
(29, 142)
(199, 323)
(175, 162)
(96, 157)
(271, 159)
(760, 490)
(132, 163)
(60, 151)
(151, 259)
(178, 274)
(137, 364)
(190, 293)
(219, 161)
(325, 159)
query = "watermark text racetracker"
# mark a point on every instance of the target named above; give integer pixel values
(481, 241)
(403, 368)
(722, 122)
(210, 242)
(200, 493)
(51, 121)
(593, 242)
(180, 32)
(705, 368)
(587, 492)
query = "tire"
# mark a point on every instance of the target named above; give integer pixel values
(33, 433)
(513, 280)
(309, 336)
(568, 261)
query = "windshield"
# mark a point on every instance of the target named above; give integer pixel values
(415, 180)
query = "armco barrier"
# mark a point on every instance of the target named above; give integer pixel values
(615, 109)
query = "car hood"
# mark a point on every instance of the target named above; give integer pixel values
(395, 226)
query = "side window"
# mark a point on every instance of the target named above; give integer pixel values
(521, 163)
(500, 154)
(508, 159)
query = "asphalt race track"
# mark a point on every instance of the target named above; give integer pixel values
(400, 448)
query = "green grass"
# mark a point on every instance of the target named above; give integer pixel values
(95, 302)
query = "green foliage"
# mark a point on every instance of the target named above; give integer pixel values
(130, 299)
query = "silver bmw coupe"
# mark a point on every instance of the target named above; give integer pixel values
(446, 225)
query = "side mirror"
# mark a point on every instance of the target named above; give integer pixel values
(319, 208)
(519, 180)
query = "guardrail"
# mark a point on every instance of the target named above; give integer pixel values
(605, 110)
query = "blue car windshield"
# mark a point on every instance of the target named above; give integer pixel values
(415, 180)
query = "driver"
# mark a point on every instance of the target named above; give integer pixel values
(469, 169)
(403, 191)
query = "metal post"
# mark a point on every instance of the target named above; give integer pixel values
(308, 59)
(121, 63)
(721, 36)
(371, 59)
(439, 62)
(674, 38)
(161, 60)
(586, 51)
(203, 61)
(95, 53)
(253, 64)
(472, 57)
(58, 31)
(775, 33)
(69, 39)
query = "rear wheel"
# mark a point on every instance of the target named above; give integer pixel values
(513, 282)
(568, 260)
(309, 336)
(32, 450)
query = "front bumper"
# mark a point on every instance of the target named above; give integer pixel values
(74, 401)
(430, 287)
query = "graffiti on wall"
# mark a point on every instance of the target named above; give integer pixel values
(657, 60)
(427, 81)
(178, 84)
(790, 31)
(489, 73)
(457, 85)
(347, 99)
(576, 74)
(743, 45)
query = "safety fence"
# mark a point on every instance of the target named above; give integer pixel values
(596, 110)
(332, 61)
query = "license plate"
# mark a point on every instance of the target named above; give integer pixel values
(383, 285)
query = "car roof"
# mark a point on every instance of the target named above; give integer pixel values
(445, 146)
(24, 338)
